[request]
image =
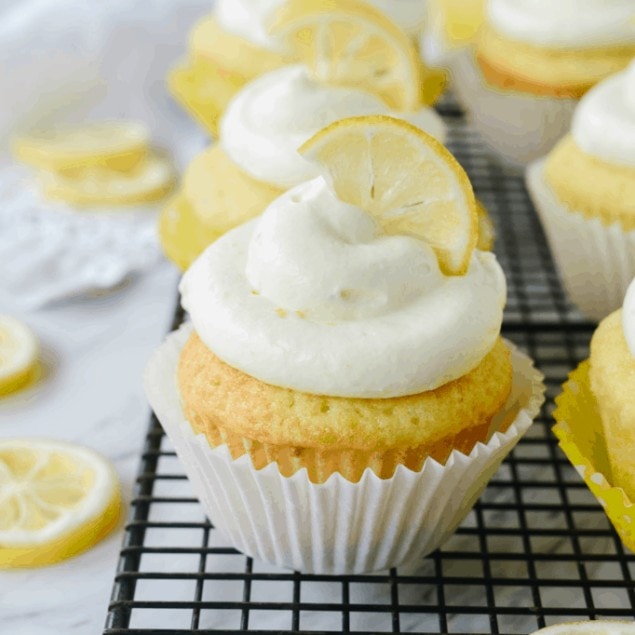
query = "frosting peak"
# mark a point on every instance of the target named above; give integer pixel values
(604, 121)
(269, 119)
(365, 274)
(628, 318)
(565, 23)
(313, 296)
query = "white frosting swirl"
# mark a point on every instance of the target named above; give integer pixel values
(312, 296)
(628, 318)
(269, 119)
(604, 121)
(565, 23)
(248, 19)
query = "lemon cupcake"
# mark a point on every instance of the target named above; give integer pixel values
(450, 26)
(256, 158)
(233, 46)
(345, 345)
(584, 192)
(596, 417)
(533, 61)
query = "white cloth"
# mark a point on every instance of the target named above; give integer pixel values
(71, 61)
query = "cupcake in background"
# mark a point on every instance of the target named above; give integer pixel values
(233, 46)
(345, 346)
(533, 61)
(596, 417)
(584, 192)
(256, 159)
(450, 26)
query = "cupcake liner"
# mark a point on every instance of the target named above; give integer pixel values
(596, 261)
(336, 527)
(579, 430)
(519, 126)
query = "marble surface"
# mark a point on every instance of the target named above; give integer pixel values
(94, 350)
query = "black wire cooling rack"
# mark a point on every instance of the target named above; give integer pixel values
(537, 548)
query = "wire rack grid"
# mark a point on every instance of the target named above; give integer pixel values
(536, 549)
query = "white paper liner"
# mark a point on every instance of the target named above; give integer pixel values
(50, 251)
(519, 126)
(596, 261)
(337, 527)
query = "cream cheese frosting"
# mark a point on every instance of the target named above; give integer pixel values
(565, 23)
(269, 119)
(604, 122)
(313, 296)
(248, 19)
(628, 318)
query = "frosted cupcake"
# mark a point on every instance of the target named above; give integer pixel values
(346, 345)
(256, 158)
(596, 417)
(533, 61)
(584, 192)
(233, 46)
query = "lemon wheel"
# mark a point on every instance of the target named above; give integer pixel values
(404, 178)
(349, 43)
(56, 500)
(118, 145)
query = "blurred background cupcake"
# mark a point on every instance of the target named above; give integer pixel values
(584, 192)
(232, 46)
(256, 158)
(596, 417)
(532, 61)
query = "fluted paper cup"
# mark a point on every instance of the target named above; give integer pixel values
(336, 527)
(579, 430)
(596, 261)
(519, 126)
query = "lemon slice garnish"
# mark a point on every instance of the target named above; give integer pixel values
(118, 145)
(150, 180)
(405, 178)
(56, 500)
(348, 43)
(19, 353)
(591, 627)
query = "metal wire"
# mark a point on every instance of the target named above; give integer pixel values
(537, 548)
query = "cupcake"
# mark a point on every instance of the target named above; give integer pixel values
(449, 27)
(533, 61)
(584, 192)
(344, 346)
(612, 375)
(596, 417)
(256, 158)
(233, 46)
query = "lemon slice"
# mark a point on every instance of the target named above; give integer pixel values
(118, 145)
(349, 43)
(405, 178)
(597, 627)
(56, 500)
(19, 353)
(148, 181)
